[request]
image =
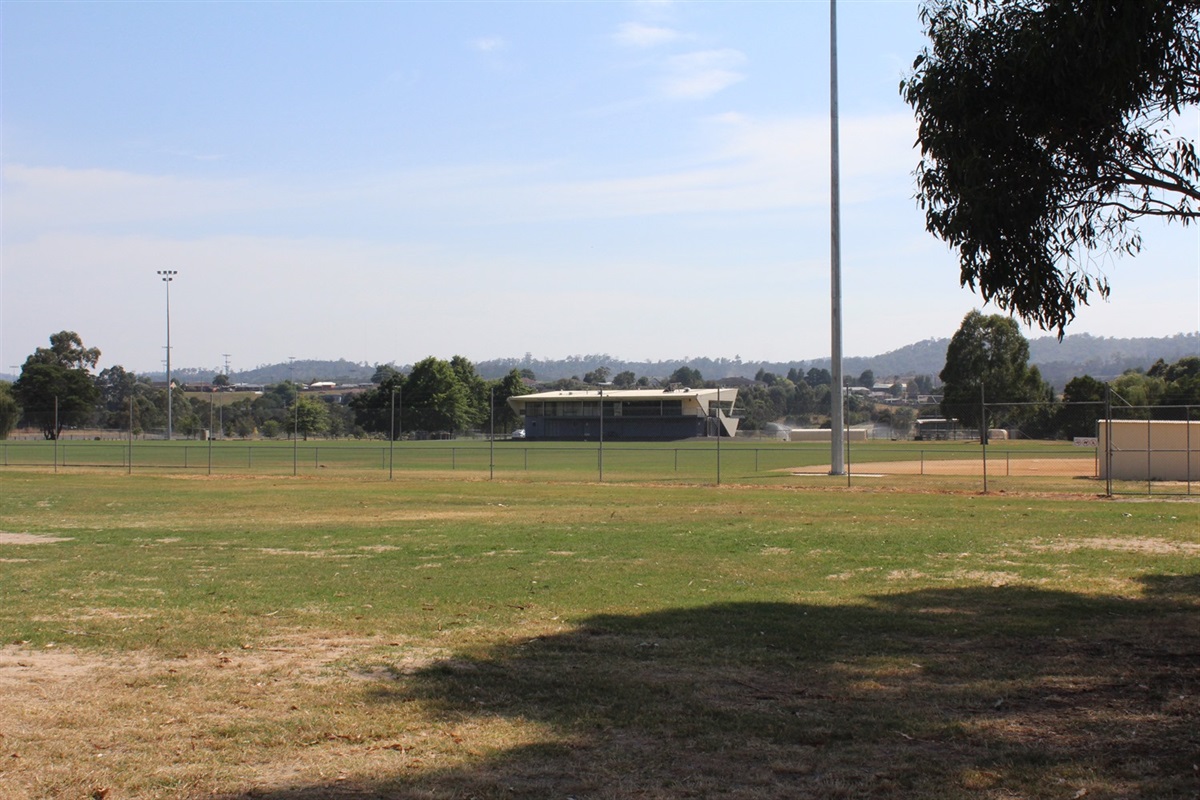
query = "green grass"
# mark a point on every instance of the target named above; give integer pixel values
(741, 461)
(306, 549)
(612, 640)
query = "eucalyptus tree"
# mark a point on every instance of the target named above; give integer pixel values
(1047, 129)
(56, 388)
(988, 360)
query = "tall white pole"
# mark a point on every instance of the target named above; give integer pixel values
(837, 433)
(168, 275)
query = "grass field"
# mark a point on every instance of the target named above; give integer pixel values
(442, 635)
(1024, 466)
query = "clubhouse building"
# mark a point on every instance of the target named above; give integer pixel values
(628, 414)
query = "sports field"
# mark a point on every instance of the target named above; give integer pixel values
(442, 635)
(1054, 466)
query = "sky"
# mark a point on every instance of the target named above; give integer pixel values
(385, 181)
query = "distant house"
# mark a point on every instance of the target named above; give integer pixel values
(629, 414)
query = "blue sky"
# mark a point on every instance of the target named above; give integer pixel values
(389, 180)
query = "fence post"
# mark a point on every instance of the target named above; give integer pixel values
(211, 403)
(1188, 417)
(846, 458)
(1108, 442)
(1187, 438)
(983, 433)
(1149, 451)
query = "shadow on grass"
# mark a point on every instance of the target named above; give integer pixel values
(977, 692)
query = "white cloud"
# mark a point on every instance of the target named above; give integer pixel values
(699, 75)
(740, 163)
(489, 44)
(654, 9)
(635, 34)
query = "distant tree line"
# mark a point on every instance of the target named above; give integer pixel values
(57, 390)
(987, 360)
(988, 372)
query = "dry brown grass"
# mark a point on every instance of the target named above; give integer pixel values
(314, 715)
(140, 725)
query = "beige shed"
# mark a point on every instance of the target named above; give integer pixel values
(1158, 450)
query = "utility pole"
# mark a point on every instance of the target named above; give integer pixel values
(837, 431)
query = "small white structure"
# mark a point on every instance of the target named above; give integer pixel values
(1150, 450)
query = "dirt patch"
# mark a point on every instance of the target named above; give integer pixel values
(1135, 545)
(30, 538)
(154, 725)
(25, 667)
(1024, 467)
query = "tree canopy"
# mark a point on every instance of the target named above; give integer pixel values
(55, 387)
(988, 360)
(687, 376)
(1045, 129)
(10, 410)
(311, 417)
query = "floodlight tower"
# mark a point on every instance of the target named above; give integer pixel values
(168, 275)
(837, 432)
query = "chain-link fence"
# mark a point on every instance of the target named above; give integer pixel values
(1108, 447)
(1130, 449)
(1150, 449)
